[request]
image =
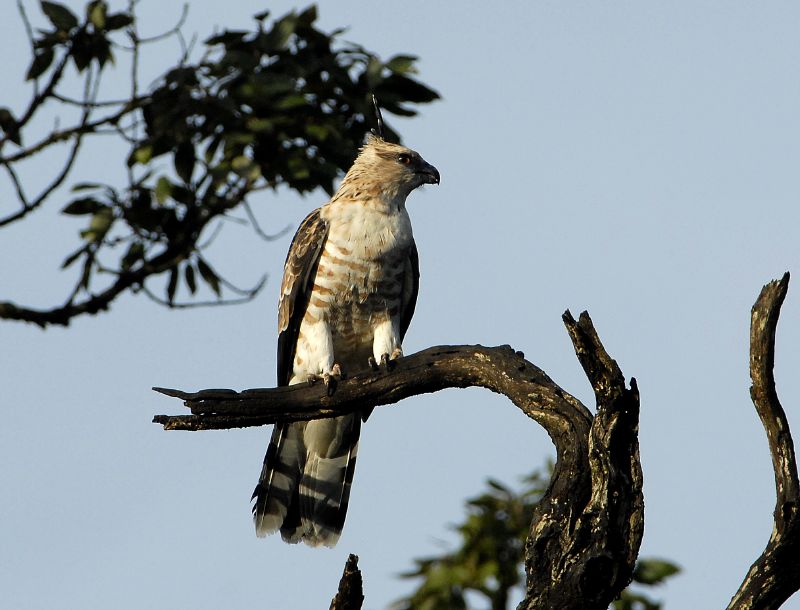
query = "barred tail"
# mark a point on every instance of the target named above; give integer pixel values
(305, 483)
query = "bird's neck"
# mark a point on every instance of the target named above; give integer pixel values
(382, 196)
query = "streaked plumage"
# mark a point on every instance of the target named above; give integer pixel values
(348, 293)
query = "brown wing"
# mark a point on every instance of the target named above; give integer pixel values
(298, 278)
(410, 289)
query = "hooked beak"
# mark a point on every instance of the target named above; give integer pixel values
(429, 174)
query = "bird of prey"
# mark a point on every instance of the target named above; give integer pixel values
(348, 293)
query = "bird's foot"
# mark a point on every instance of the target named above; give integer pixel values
(330, 379)
(387, 360)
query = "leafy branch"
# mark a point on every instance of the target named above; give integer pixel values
(283, 104)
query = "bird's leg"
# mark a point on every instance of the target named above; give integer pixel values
(385, 345)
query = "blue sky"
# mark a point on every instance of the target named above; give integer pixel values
(635, 159)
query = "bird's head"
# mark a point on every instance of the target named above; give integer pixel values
(398, 169)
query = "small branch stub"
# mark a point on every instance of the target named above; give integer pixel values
(350, 595)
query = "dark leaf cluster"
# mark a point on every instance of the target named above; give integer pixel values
(80, 41)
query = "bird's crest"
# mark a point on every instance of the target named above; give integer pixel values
(378, 119)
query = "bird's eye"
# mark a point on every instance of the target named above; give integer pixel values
(404, 158)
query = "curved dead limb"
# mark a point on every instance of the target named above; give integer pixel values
(586, 531)
(775, 575)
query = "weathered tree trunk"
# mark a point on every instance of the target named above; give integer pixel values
(775, 575)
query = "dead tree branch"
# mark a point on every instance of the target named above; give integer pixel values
(775, 575)
(587, 529)
(350, 595)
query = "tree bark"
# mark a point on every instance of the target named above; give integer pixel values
(775, 575)
(587, 529)
(350, 595)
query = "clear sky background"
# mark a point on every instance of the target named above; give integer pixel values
(635, 159)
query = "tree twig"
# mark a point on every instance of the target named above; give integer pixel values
(65, 134)
(100, 301)
(775, 575)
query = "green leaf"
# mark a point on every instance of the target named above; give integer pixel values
(319, 132)
(408, 89)
(172, 285)
(182, 195)
(101, 50)
(99, 225)
(41, 61)
(261, 124)
(292, 101)
(212, 148)
(85, 205)
(402, 64)
(59, 15)
(142, 155)
(308, 16)
(184, 161)
(96, 13)
(191, 282)
(86, 186)
(118, 21)
(654, 571)
(209, 276)
(163, 190)
(298, 168)
(241, 163)
(10, 126)
(276, 39)
(227, 38)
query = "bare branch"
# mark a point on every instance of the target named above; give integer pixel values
(20, 195)
(100, 301)
(30, 206)
(173, 31)
(94, 104)
(247, 296)
(214, 233)
(775, 575)
(29, 32)
(431, 370)
(65, 134)
(248, 293)
(40, 96)
(90, 90)
(257, 228)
